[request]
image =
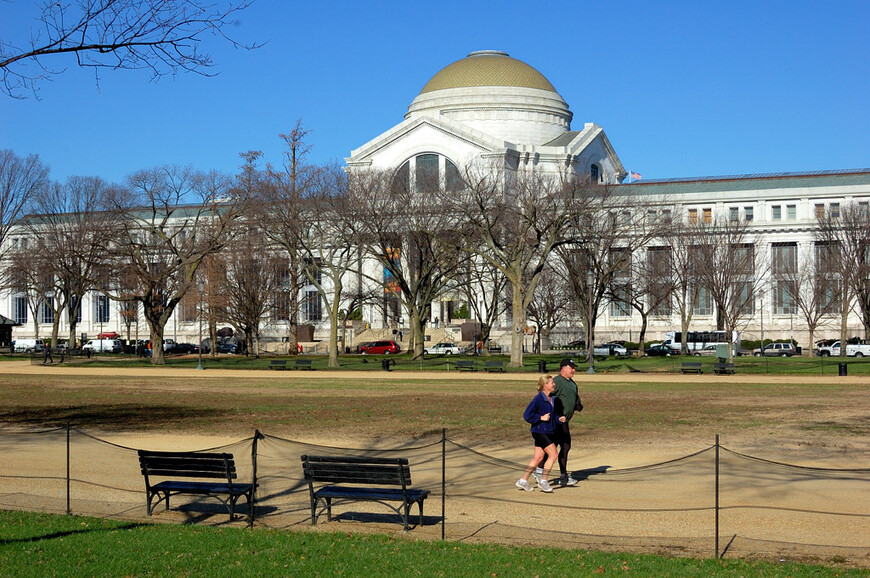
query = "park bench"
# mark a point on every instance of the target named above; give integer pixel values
(279, 364)
(691, 367)
(723, 368)
(302, 364)
(494, 365)
(465, 365)
(356, 476)
(195, 465)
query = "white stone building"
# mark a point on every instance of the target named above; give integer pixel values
(491, 106)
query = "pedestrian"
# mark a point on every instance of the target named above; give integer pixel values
(46, 357)
(568, 403)
(541, 414)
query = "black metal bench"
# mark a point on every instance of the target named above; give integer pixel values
(279, 364)
(494, 365)
(723, 368)
(691, 367)
(465, 365)
(302, 364)
(361, 472)
(196, 465)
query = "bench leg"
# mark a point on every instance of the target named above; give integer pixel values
(328, 509)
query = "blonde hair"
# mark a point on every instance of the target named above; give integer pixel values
(542, 381)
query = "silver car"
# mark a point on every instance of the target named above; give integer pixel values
(442, 349)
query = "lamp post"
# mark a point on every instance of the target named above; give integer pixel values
(590, 347)
(199, 286)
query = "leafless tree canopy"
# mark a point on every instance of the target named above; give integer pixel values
(20, 180)
(161, 36)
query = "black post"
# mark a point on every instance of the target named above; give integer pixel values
(257, 437)
(716, 556)
(68, 510)
(443, 477)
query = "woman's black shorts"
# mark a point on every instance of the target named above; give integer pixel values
(542, 440)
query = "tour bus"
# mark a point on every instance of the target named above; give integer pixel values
(697, 340)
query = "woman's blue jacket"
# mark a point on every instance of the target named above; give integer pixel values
(539, 406)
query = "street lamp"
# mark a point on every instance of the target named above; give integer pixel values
(199, 286)
(590, 347)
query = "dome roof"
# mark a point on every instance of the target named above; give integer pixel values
(488, 68)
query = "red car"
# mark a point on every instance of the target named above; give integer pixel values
(380, 348)
(108, 335)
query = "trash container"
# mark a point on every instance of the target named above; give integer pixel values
(542, 366)
(386, 363)
(843, 369)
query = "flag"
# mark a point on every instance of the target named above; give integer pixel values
(633, 176)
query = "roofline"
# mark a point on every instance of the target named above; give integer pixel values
(759, 176)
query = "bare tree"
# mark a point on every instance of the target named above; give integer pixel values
(728, 266)
(20, 180)
(328, 247)
(609, 228)
(483, 287)
(811, 288)
(551, 304)
(412, 236)
(170, 220)
(514, 220)
(72, 228)
(160, 36)
(278, 206)
(651, 288)
(681, 238)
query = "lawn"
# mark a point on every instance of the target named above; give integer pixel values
(48, 545)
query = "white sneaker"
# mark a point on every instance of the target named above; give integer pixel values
(538, 474)
(570, 482)
(524, 485)
(545, 486)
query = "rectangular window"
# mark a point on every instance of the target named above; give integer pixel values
(776, 212)
(708, 215)
(19, 314)
(619, 306)
(704, 303)
(783, 298)
(693, 216)
(791, 212)
(748, 213)
(834, 208)
(745, 298)
(101, 309)
(733, 214)
(863, 209)
(47, 311)
(313, 307)
(784, 258)
(820, 210)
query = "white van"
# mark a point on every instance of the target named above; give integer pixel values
(103, 346)
(28, 345)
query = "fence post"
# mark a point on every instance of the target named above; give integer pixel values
(68, 510)
(716, 554)
(443, 477)
(257, 436)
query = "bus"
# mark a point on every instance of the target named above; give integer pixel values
(696, 340)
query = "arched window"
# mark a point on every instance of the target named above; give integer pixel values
(427, 173)
(594, 173)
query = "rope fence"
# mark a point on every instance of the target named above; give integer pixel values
(715, 501)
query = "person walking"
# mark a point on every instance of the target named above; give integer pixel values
(541, 414)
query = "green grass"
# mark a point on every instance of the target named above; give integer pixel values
(50, 545)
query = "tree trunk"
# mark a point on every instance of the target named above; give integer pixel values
(518, 325)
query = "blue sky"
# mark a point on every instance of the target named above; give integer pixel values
(682, 89)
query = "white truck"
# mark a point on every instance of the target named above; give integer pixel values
(852, 350)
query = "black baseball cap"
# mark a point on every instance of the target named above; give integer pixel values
(567, 361)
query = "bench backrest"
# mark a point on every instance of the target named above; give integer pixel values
(464, 363)
(187, 465)
(353, 470)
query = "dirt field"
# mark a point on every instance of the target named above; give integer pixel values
(816, 421)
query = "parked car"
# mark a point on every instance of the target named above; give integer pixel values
(852, 350)
(443, 349)
(658, 349)
(610, 349)
(227, 347)
(108, 335)
(181, 348)
(775, 350)
(380, 348)
(709, 349)
(28, 346)
(103, 346)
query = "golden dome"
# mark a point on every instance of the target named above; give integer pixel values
(488, 68)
